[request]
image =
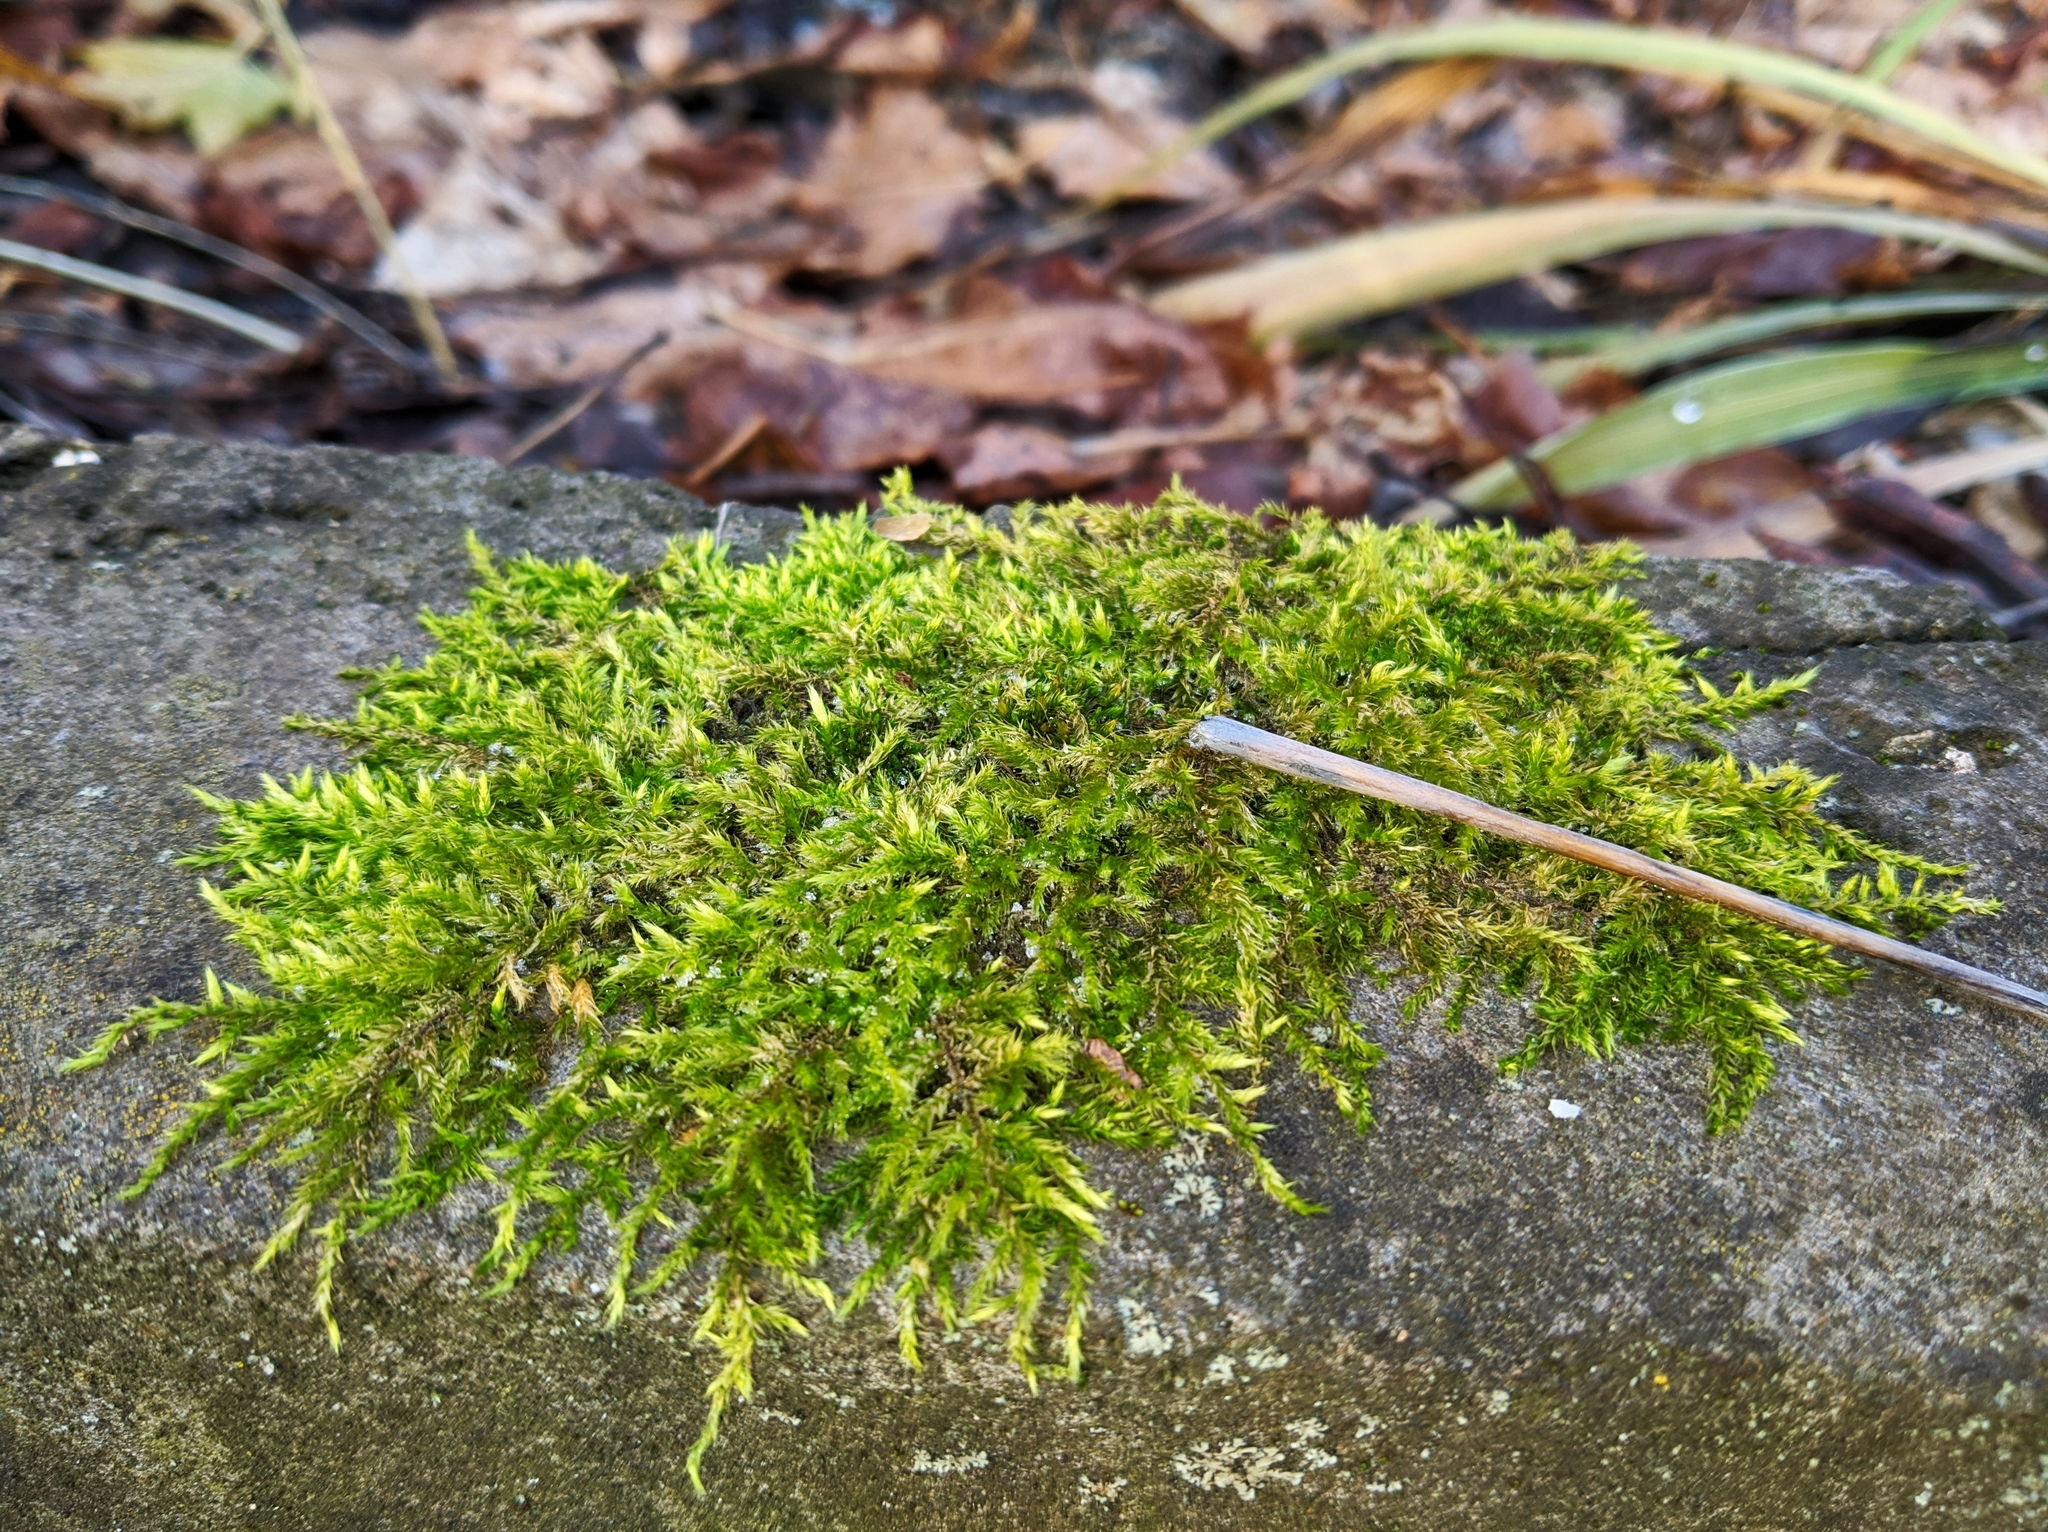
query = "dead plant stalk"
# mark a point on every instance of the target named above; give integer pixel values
(332, 135)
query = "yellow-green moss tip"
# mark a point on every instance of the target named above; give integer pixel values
(753, 905)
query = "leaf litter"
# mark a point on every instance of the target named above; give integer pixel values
(1290, 252)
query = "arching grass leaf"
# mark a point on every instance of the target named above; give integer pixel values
(1395, 268)
(1755, 402)
(1651, 50)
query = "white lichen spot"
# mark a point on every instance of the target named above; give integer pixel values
(1221, 1369)
(1926, 1494)
(1497, 1402)
(1384, 1487)
(1234, 1465)
(1959, 761)
(1368, 1425)
(958, 1462)
(1192, 1183)
(1102, 1491)
(2030, 1491)
(1142, 1333)
(780, 1417)
(1265, 1358)
(1941, 1007)
(1563, 1110)
(1305, 1433)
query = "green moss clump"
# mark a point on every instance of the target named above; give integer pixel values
(859, 891)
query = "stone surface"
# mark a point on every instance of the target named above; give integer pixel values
(1836, 1318)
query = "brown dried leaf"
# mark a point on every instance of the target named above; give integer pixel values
(1515, 406)
(159, 172)
(55, 226)
(1410, 410)
(827, 417)
(543, 345)
(527, 63)
(279, 194)
(1794, 263)
(652, 188)
(893, 178)
(1734, 486)
(1017, 462)
(1567, 131)
(1100, 360)
(1086, 155)
(478, 231)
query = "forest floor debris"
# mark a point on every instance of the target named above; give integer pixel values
(1033, 249)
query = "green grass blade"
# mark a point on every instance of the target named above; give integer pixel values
(1651, 50)
(1755, 402)
(1646, 351)
(1904, 43)
(1383, 270)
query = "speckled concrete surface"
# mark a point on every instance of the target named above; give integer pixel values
(1837, 1318)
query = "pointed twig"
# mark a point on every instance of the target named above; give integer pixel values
(583, 401)
(1276, 752)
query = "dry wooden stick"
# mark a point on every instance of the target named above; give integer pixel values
(567, 414)
(1276, 752)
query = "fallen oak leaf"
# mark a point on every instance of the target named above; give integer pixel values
(893, 177)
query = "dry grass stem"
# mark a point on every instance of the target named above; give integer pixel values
(314, 297)
(262, 331)
(583, 401)
(328, 126)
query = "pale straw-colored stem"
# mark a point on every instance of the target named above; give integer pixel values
(343, 153)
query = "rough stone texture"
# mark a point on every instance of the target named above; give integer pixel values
(1769, 608)
(1836, 1318)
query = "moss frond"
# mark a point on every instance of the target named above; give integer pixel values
(856, 892)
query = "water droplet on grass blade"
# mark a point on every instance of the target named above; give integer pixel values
(1687, 412)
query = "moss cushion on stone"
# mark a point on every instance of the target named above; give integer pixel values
(859, 891)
